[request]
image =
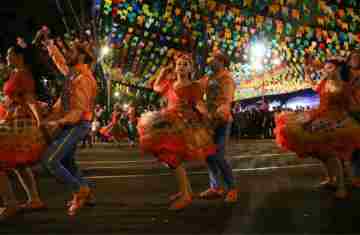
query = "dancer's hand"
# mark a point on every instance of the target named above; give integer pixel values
(224, 111)
(53, 124)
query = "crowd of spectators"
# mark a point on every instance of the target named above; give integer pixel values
(257, 122)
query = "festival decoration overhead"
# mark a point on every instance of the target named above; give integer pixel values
(267, 40)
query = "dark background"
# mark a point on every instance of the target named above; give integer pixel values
(24, 17)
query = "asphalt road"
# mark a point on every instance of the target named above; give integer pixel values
(278, 195)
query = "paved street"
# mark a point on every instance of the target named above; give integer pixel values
(278, 195)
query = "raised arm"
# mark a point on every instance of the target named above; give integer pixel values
(158, 84)
(307, 78)
(57, 57)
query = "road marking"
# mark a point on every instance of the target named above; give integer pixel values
(112, 162)
(155, 161)
(262, 155)
(204, 172)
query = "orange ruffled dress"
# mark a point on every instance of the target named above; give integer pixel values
(114, 129)
(327, 130)
(176, 132)
(21, 142)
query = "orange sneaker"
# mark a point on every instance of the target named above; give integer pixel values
(231, 196)
(91, 200)
(33, 206)
(212, 193)
(355, 182)
(180, 203)
(175, 196)
(8, 212)
(79, 200)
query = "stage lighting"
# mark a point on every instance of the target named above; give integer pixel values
(105, 51)
(258, 50)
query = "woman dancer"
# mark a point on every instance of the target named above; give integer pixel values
(352, 77)
(114, 130)
(328, 132)
(177, 132)
(21, 141)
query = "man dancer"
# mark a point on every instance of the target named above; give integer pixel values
(220, 90)
(72, 115)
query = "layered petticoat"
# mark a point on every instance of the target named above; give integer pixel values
(316, 133)
(175, 134)
(21, 141)
(114, 131)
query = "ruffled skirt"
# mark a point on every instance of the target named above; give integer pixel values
(21, 142)
(173, 136)
(329, 133)
(113, 131)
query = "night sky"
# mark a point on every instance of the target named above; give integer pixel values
(24, 17)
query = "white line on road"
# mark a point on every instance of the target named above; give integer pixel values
(262, 155)
(114, 162)
(204, 172)
(154, 161)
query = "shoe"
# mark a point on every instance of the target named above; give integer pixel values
(79, 200)
(91, 200)
(212, 193)
(231, 196)
(342, 194)
(180, 203)
(8, 212)
(355, 182)
(175, 196)
(33, 206)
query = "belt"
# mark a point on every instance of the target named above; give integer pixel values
(87, 116)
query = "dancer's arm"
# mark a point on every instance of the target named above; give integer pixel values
(57, 57)
(158, 85)
(224, 109)
(308, 79)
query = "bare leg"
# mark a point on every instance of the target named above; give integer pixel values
(28, 181)
(184, 189)
(341, 191)
(325, 167)
(8, 196)
(332, 169)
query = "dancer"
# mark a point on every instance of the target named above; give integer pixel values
(72, 114)
(21, 141)
(178, 131)
(131, 127)
(220, 90)
(352, 76)
(328, 132)
(115, 130)
(96, 124)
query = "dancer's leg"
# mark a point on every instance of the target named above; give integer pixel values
(184, 189)
(8, 196)
(54, 156)
(341, 191)
(28, 182)
(356, 168)
(221, 139)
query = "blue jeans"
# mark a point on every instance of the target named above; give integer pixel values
(62, 151)
(356, 163)
(131, 131)
(217, 165)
